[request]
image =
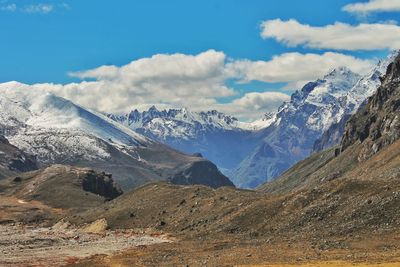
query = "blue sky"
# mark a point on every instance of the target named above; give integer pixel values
(42, 41)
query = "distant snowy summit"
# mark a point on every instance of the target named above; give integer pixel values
(184, 123)
(221, 138)
(310, 113)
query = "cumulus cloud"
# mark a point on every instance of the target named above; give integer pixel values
(340, 36)
(182, 80)
(253, 105)
(195, 81)
(167, 81)
(373, 6)
(295, 68)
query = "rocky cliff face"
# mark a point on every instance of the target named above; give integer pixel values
(355, 99)
(377, 124)
(369, 149)
(101, 184)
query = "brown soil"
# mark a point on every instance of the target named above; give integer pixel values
(228, 252)
(35, 246)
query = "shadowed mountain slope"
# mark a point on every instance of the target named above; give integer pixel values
(13, 160)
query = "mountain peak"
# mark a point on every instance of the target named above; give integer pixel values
(393, 54)
(153, 108)
(393, 71)
(341, 73)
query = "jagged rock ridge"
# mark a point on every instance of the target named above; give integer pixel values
(218, 137)
(355, 99)
(377, 124)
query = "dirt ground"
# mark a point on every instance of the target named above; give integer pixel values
(92, 245)
(31, 246)
(220, 252)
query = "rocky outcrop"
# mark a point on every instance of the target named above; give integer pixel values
(101, 184)
(200, 172)
(377, 124)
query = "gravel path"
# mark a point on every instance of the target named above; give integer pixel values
(28, 246)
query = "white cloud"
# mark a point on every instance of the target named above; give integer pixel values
(253, 105)
(195, 81)
(177, 80)
(340, 36)
(295, 68)
(373, 6)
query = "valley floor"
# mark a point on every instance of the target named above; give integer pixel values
(92, 245)
(36, 246)
(225, 252)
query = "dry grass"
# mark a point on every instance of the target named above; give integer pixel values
(330, 264)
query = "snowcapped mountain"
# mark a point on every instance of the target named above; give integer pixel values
(301, 121)
(183, 123)
(354, 99)
(59, 131)
(218, 137)
(252, 153)
(28, 116)
(323, 101)
(368, 84)
(261, 123)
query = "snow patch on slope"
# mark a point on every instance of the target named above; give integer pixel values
(52, 127)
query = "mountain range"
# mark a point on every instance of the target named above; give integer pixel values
(252, 153)
(218, 137)
(57, 131)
